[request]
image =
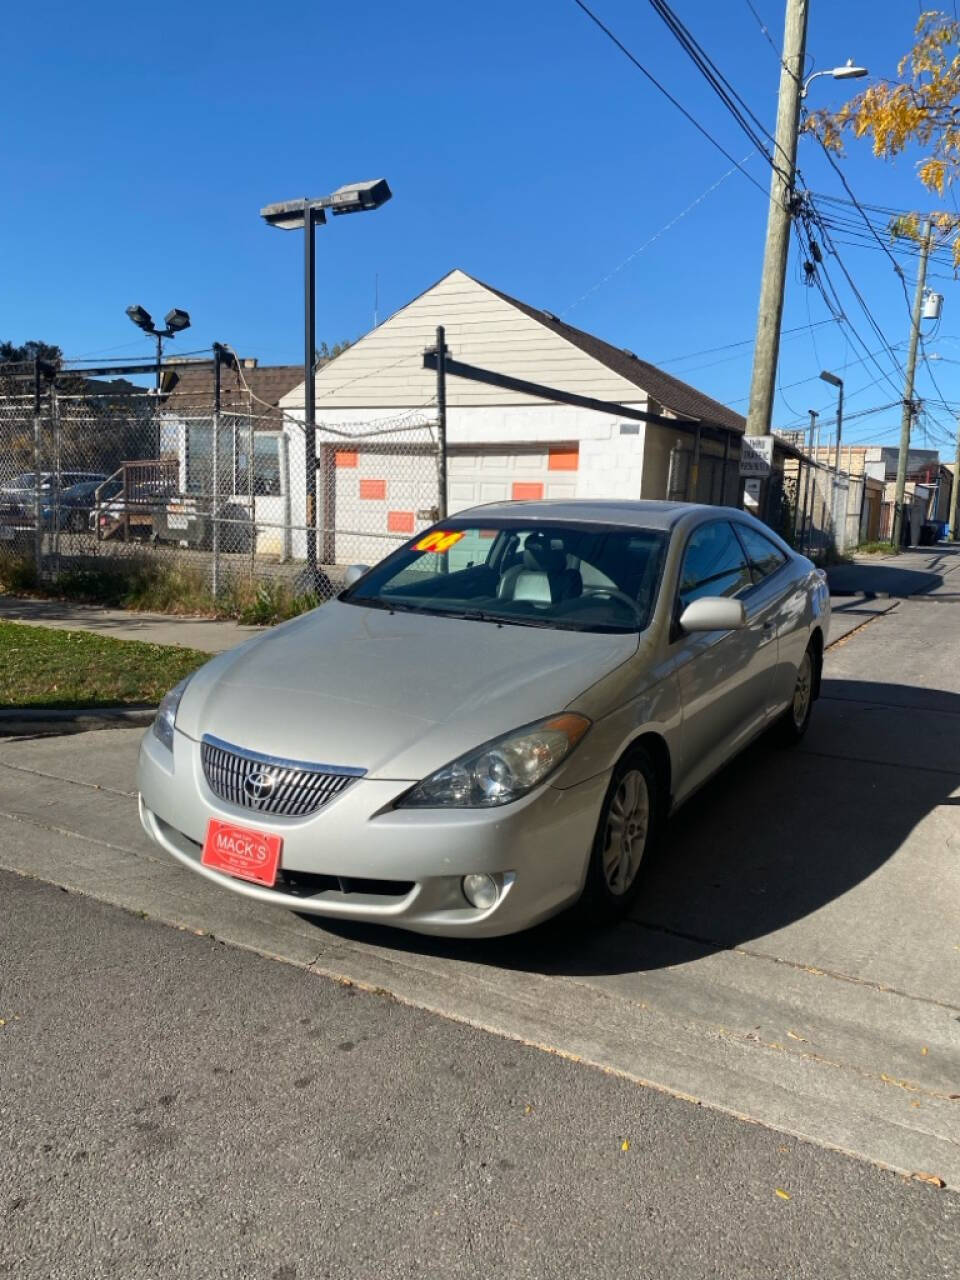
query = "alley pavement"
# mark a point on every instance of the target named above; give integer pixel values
(173, 1107)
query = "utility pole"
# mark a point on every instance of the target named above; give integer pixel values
(766, 351)
(907, 415)
(953, 531)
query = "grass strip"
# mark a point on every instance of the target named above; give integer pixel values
(46, 667)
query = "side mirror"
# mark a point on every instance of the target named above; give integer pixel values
(713, 613)
(355, 572)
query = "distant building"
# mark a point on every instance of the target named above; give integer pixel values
(927, 491)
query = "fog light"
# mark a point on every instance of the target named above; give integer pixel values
(481, 892)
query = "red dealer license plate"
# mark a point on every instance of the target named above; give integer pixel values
(248, 855)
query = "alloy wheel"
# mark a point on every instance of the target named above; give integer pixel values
(625, 839)
(802, 690)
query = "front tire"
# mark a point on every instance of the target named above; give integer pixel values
(795, 721)
(626, 833)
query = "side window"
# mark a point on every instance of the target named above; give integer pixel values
(714, 564)
(764, 556)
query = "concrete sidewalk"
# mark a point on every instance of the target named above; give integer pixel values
(209, 635)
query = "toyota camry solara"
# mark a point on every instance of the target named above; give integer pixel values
(494, 722)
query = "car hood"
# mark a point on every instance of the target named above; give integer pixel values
(398, 695)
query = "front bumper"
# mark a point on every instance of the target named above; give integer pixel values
(412, 860)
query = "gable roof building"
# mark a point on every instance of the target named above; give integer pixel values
(504, 443)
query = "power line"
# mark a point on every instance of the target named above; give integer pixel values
(769, 38)
(647, 243)
(744, 342)
(856, 203)
(668, 95)
(721, 86)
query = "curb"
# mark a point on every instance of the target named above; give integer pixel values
(15, 721)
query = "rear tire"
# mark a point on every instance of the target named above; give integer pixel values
(626, 833)
(795, 721)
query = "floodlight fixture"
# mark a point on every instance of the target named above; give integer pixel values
(176, 321)
(358, 197)
(141, 317)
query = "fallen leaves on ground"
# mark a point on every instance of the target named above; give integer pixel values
(932, 1179)
(784, 1195)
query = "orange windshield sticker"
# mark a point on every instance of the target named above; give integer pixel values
(439, 540)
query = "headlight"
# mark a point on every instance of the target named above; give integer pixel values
(163, 725)
(501, 770)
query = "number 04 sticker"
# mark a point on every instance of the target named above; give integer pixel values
(439, 540)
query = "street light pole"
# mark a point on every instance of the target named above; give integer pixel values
(952, 531)
(290, 215)
(827, 376)
(309, 381)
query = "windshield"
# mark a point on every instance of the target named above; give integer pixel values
(581, 577)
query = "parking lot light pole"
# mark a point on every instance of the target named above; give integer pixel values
(176, 321)
(291, 215)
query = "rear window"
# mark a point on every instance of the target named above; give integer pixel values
(764, 556)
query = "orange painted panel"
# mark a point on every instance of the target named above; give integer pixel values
(564, 460)
(345, 458)
(374, 489)
(400, 522)
(524, 491)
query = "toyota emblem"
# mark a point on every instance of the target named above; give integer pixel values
(258, 786)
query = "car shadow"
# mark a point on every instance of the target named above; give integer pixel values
(878, 581)
(775, 836)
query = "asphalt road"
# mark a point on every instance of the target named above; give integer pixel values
(171, 1106)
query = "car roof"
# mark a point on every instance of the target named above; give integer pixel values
(642, 514)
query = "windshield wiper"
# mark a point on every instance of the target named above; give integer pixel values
(377, 602)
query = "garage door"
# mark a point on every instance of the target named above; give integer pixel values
(382, 497)
(477, 476)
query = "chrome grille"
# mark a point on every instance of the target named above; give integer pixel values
(266, 784)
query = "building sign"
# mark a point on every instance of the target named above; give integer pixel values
(756, 456)
(751, 496)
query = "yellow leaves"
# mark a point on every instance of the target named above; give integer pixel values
(932, 173)
(783, 1195)
(528, 1109)
(924, 1051)
(917, 110)
(625, 1145)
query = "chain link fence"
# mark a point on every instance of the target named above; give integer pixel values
(95, 479)
(107, 476)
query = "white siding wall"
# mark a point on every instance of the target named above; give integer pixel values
(515, 443)
(384, 370)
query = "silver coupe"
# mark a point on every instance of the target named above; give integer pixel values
(494, 722)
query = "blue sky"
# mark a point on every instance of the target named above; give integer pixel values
(520, 145)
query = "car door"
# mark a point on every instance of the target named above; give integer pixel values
(724, 676)
(779, 590)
